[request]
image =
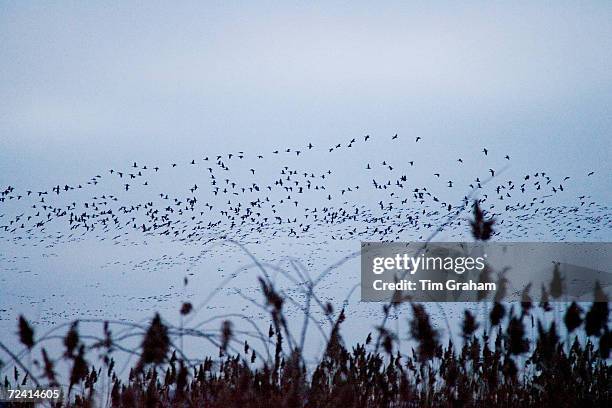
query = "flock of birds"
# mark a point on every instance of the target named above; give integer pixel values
(240, 196)
(311, 203)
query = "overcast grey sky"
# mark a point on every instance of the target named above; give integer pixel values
(90, 86)
(85, 86)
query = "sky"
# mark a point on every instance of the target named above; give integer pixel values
(90, 86)
(84, 87)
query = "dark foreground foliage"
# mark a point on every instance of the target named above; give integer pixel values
(499, 369)
(564, 361)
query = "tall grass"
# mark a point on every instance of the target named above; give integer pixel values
(502, 367)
